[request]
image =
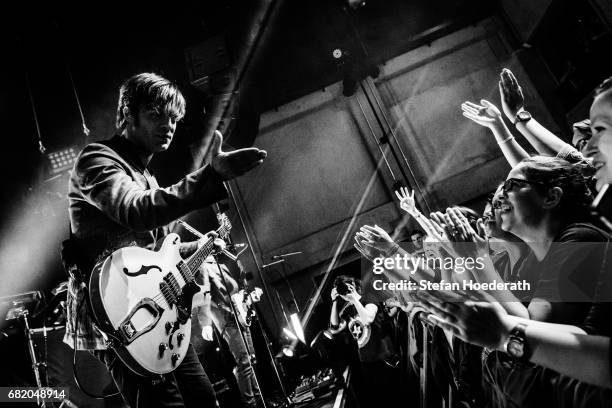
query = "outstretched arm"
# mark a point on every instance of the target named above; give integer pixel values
(368, 312)
(562, 348)
(486, 114)
(408, 204)
(511, 94)
(333, 317)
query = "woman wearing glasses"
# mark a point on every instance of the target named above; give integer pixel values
(507, 250)
(587, 358)
(544, 202)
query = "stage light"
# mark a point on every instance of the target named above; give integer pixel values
(289, 333)
(355, 4)
(62, 160)
(288, 351)
(297, 327)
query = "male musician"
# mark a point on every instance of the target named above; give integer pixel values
(114, 202)
(216, 309)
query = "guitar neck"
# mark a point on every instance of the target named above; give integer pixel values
(195, 260)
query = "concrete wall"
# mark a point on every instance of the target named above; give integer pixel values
(525, 15)
(326, 174)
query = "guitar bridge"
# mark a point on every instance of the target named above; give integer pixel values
(141, 319)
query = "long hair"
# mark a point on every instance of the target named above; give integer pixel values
(150, 91)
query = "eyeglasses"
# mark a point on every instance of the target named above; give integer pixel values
(511, 183)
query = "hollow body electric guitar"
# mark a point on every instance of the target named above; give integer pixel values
(142, 300)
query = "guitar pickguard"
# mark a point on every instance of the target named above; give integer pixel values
(144, 269)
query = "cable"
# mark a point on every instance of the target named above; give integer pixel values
(78, 102)
(41, 147)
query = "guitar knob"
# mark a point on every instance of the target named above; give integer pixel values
(168, 327)
(162, 347)
(174, 358)
(180, 337)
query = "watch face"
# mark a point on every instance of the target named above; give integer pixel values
(515, 348)
(523, 116)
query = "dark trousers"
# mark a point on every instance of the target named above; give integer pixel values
(383, 386)
(187, 386)
(249, 390)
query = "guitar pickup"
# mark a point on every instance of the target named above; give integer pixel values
(168, 293)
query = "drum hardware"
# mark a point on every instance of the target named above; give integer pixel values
(20, 306)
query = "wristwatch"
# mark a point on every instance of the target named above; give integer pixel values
(517, 346)
(522, 116)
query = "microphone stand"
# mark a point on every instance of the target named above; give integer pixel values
(286, 400)
(283, 272)
(241, 329)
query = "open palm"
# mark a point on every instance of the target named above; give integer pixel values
(487, 114)
(406, 198)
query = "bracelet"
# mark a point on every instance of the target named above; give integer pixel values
(506, 139)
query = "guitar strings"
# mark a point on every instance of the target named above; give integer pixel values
(197, 257)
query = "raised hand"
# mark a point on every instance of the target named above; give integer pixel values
(477, 322)
(406, 199)
(467, 232)
(352, 296)
(334, 294)
(368, 252)
(376, 239)
(511, 94)
(230, 165)
(438, 227)
(486, 114)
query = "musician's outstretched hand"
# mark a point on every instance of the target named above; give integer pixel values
(207, 333)
(232, 164)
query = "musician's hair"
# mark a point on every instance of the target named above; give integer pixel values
(150, 91)
(605, 86)
(604, 91)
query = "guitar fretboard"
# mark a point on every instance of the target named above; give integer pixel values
(195, 260)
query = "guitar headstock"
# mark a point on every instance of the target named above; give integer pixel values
(225, 226)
